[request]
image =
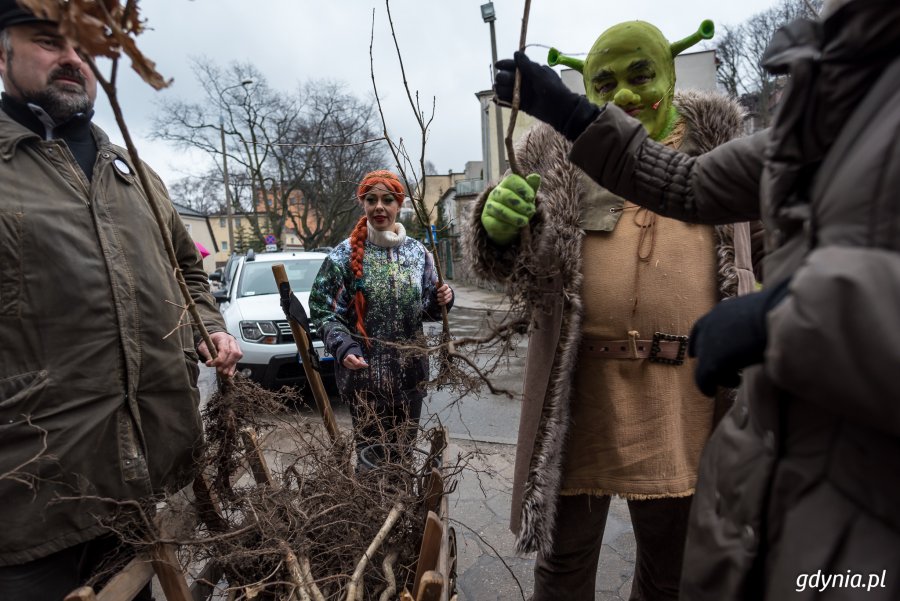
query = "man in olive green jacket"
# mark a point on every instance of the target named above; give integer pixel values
(98, 375)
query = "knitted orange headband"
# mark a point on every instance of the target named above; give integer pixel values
(383, 177)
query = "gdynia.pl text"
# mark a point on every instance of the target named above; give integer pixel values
(820, 582)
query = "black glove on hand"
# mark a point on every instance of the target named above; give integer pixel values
(731, 337)
(544, 96)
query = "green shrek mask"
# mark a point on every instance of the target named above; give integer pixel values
(633, 66)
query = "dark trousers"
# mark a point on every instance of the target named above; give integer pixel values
(384, 429)
(569, 570)
(53, 577)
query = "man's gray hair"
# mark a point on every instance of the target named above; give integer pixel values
(5, 40)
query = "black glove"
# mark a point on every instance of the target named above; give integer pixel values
(731, 337)
(544, 96)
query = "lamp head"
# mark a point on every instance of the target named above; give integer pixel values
(487, 12)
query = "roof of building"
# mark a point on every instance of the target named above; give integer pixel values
(188, 211)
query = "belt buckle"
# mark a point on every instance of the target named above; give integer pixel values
(655, 348)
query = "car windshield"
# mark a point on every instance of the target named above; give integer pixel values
(257, 278)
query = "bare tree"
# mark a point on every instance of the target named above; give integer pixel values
(740, 51)
(333, 164)
(729, 62)
(202, 192)
(300, 152)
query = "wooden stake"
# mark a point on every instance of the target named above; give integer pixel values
(171, 577)
(430, 586)
(258, 466)
(312, 376)
(431, 547)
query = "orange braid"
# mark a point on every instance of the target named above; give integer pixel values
(357, 250)
(384, 177)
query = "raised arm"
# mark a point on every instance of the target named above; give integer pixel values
(721, 186)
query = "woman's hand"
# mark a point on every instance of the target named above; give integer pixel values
(444, 295)
(354, 362)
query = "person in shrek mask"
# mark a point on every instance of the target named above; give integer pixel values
(610, 407)
(794, 497)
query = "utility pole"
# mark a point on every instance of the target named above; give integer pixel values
(489, 16)
(228, 203)
(229, 208)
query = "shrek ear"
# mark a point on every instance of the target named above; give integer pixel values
(555, 58)
(705, 32)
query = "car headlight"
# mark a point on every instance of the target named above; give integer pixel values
(260, 332)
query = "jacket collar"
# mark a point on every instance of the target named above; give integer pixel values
(12, 132)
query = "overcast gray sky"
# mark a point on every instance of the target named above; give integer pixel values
(445, 45)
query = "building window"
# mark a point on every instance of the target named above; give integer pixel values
(221, 222)
(237, 223)
(223, 245)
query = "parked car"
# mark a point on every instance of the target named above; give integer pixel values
(252, 311)
(223, 276)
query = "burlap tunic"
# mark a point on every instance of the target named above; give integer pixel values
(638, 427)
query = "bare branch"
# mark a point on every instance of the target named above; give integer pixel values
(514, 112)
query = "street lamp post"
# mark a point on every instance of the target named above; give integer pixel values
(228, 201)
(489, 16)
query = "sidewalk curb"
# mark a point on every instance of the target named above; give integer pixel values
(483, 439)
(481, 307)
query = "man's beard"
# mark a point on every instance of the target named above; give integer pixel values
(61, 103)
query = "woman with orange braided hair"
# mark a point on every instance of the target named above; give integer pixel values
(373, 290)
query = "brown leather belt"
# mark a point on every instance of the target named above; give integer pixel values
(663, 348)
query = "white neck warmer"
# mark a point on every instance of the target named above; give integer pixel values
(387, 238)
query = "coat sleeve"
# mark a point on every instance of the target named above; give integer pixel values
(539, 151)
(331, 308)
(835, 340)
(431, 310)
(489, 260)
(190, 262)
(721, 186)
(494, 261)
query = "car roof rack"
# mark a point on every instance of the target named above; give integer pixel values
(251, 256)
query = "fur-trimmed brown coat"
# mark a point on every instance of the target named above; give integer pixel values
(547, 273)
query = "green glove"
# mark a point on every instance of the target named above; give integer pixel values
(509, 207)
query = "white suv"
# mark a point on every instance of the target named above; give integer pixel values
(252, 311)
